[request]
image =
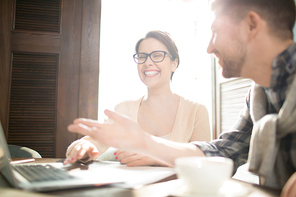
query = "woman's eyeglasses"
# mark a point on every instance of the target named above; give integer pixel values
(155, 56)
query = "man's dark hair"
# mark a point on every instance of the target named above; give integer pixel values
(279, 14)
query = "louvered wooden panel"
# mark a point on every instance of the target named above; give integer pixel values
(232, 101)
(32, 113)
(37, 15)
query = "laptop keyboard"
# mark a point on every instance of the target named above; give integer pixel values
(42, 173)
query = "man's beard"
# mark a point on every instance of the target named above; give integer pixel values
(232, 67)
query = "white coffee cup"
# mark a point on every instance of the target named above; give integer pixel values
(203, 175)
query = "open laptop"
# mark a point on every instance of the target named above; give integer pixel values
(79, 175)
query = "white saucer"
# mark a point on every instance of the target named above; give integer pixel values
(229, 189)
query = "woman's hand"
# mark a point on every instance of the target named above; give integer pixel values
(83, 151)
(134, 159)
(122, 134)
(125, 134)
(289, 189)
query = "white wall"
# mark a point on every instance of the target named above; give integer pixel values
(123, 23)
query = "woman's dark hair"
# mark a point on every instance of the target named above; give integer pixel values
(165, 39)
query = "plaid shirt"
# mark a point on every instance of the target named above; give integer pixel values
(235, 143)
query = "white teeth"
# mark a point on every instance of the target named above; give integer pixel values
(150, 73)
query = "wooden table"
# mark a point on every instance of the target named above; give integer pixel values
(160, 189)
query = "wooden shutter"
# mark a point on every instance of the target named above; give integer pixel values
(33, 93)
(49, 70)
(37, 15)
(33, 102)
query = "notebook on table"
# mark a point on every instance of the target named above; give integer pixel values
(56, 176)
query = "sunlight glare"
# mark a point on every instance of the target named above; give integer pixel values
(123, 23)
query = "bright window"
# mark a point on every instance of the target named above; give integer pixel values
(123, 23)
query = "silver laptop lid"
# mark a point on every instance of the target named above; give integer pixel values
(5, 158)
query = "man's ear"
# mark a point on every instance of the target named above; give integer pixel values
(253, 23)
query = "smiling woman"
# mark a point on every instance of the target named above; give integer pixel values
(187, 23)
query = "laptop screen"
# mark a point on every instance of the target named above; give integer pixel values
(5, 168)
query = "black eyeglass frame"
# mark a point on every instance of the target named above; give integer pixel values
(149, 55)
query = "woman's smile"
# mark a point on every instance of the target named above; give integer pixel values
(151, 73)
